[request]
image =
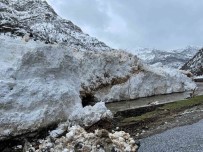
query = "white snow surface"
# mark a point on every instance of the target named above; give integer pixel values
(38, 86)
(199, 77)
(92, 114)
(149, 81)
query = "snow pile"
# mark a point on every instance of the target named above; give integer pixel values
(199, 77)
(148, 82)
(116, 75)
(77, 139)
(92, 114)
(39, 79)
(105, 69)
(40, 86)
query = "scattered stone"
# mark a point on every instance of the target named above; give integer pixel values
(117, 128)
(153, 103)
(60, 130)
(78, 140)
(19, 146)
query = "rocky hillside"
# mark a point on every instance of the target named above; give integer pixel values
(38, 18)
(172, 58)
(195, 64)
(53, 72)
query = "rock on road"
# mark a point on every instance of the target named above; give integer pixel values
(181, 139)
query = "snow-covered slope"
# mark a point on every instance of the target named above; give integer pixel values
(195, 64)
(44, 84)
(170, 58)
(38, 18)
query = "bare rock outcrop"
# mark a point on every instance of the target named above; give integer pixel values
(195, 64)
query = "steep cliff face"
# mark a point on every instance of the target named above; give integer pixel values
(195, 64)
(44, 77)
(37, 17)
(172, 58)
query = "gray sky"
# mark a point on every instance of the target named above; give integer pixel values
(129, 24)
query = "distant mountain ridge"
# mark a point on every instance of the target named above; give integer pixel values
(195, 65)
(172, 58)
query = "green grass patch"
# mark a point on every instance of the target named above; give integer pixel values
(184, 104)
(164, 110)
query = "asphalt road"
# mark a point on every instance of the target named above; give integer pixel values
(181, 139)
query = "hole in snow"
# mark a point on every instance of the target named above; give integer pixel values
(88, 99)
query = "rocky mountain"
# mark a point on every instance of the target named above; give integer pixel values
(171, 58)
(50, 71)
(195, 64)
(38, 18)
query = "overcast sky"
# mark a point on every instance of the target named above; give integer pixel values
(129, 24)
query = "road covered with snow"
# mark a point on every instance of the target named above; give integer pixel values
(181, 139)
